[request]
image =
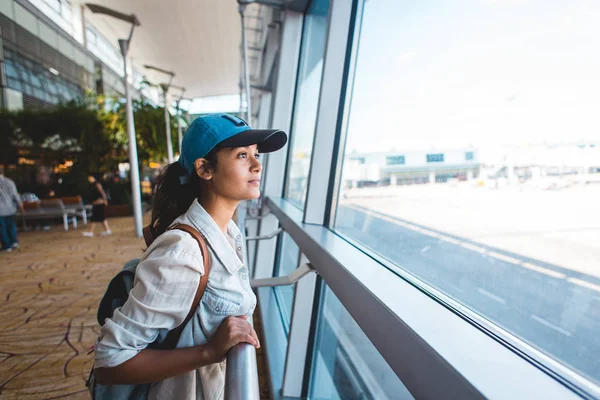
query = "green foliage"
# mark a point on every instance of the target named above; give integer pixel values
(71, 131)
(8, 152)
(150, 130)
(92, 133)
(119, 192)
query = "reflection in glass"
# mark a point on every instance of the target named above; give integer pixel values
(288, 262)
(472, 160)
(346, 364)
(314, 36)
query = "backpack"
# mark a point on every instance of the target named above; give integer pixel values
(116, 295)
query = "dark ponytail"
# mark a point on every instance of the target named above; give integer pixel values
(175, 193)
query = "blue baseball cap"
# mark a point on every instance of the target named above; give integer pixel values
(223, 130)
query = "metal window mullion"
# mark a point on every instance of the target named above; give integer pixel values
(332, 84)
(340, 145)
(273, 175)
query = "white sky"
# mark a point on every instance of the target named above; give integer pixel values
(449, 74)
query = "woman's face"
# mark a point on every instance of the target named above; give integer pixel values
(237, 175)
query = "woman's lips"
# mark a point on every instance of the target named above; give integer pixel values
(254, 182)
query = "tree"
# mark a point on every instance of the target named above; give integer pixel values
(8, 139)
(150, 130)
(91, 133)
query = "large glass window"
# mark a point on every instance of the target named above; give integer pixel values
(310, 70)
(493, 106)
(34, 79)
(346, 364)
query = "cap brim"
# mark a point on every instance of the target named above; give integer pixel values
(268, 140)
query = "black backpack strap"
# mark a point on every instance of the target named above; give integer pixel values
(173, 336)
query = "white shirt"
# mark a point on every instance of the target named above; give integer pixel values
(166, 281)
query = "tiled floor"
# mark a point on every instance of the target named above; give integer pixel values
(49, 292)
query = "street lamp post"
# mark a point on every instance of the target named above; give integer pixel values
(178, 117)
(165, 89)
(134, 173)
(241, 9)
(179, 135)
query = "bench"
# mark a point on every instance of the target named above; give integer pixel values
(48, 208)
(75, 203)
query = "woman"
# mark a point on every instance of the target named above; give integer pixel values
(99, 203)
(219, 167)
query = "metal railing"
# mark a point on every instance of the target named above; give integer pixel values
(241, 375)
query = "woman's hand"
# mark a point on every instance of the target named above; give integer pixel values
(232, 331)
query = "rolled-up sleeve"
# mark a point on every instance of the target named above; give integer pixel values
(164, 288)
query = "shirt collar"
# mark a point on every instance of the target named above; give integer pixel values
(203, 222)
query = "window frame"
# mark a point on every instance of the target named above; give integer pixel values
(434, 158)
(402, 160)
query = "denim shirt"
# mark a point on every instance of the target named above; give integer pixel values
(166, 281)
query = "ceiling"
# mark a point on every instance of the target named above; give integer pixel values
(199, 40)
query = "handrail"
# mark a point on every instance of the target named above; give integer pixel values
(241, 374)
(263, 237)
(290, 279)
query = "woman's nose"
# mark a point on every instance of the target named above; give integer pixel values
(256, 165)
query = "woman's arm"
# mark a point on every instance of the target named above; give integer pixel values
(156, 365)
(165, 286)
(102, 193)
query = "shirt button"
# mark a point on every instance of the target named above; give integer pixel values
(238, 237)
(239, 248)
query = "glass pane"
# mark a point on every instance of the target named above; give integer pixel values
(346, 364)
(314, 36)
(10, 70)
(14, 84)
(288, 262)
(473, 160)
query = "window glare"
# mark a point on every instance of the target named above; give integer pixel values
(472, 160)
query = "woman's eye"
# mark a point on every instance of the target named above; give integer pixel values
(257, 156)
(242, 155)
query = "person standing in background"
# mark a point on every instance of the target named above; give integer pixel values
(99, 203)
(10, 202)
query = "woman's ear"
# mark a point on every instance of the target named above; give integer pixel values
(202, 169)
